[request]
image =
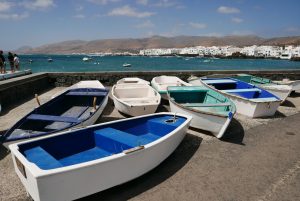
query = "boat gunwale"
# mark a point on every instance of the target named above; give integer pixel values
(39, 173)
(240, 97)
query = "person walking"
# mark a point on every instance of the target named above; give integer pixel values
(2, 63)
(10, 58)
(17, 62)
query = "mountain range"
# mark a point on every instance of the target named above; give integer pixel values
(134, 45)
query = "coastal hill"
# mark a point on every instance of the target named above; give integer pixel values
(134, 45)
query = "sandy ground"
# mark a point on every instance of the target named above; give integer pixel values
(259, 159)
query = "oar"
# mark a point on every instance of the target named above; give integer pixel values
(37, 99)
(94, 103)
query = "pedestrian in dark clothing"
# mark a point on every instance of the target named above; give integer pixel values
(2, 63)
(11, 61)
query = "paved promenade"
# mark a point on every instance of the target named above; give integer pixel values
(259, 159)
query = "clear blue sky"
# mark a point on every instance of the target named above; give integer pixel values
(39, 22)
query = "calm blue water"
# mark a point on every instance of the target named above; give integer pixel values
(74, 63)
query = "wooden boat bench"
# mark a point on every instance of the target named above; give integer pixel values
(241, 90)
(42, 117)
(74, 112)
(205, 104)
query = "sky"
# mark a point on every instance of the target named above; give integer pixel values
(38, 22)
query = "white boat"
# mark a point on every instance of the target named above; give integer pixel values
(161, 83)
(85, 59)
(78, 163)
(82, 84)
(249, 100)
(132, 80)
(295, 84)
(126, 65)
(286, 55)
(50, 60)
(210, 110)
(135, 99)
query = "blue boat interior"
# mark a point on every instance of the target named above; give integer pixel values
(98, 142)
(62, 112)
(240, 88)
(201, 99)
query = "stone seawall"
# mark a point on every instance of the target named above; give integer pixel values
(18, 89)
(14, 90)
(110, 78)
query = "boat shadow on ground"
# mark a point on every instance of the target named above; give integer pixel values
(3, 151)
(295, 94)
(109, 107)
(288, 103)
(166, 169)
(235, 133)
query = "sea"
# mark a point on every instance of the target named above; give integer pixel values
(74, 63)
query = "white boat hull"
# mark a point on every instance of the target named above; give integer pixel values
(134, 110)
(217, 125)
(132, 80)
(254, 109)
(76, 181)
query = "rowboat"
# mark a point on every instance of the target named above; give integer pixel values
(135, 99)
(295, 84)
(73, 108)
(249, 99)
(210, 110)
(282, 91)
(81, 162)
(82, 84)
(161, 83)
(132, 80)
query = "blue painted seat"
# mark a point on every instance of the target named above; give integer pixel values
(241, 90)
(123, 137)
(42, 158)
(42, 117)
(84, 156)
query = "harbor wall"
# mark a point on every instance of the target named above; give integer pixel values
(18, 89)
(110, 78)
